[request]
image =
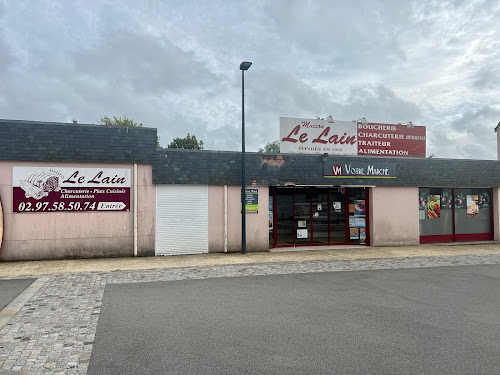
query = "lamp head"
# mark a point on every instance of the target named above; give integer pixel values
(362, 120)
(245, 65)
(409, 124)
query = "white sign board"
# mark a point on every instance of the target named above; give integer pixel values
(298, 135)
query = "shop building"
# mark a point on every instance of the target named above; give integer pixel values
(74, 190)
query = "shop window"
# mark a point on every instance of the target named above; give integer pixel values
(320, 215)
(472, 211)
(447, 215)
(357, 216)
(337, 215)
(284, 218)
(435, 208)
(302, 203)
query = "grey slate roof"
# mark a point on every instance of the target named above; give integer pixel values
(42, 141)
(50, 141)
(220, 168)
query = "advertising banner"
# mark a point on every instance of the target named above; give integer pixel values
(299, 135)
(305, 136)
(252, 201)
(58, 189)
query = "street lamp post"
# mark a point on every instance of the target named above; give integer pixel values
(243, 66)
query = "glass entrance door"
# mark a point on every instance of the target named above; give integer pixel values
(284, 218)
(337, 216)
(319, 216)
(302, 205)
(320, 211)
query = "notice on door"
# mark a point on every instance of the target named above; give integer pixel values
(302, 233)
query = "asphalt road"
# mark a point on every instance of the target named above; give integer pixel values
(10, 289)
(414, 321)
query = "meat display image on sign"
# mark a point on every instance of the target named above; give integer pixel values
(305, 136)
(50, 189)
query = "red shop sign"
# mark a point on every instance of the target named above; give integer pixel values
(62, 189)
(391, 140)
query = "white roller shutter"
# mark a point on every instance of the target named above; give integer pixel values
(181, 219)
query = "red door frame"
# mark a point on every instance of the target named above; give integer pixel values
(448, 238)
(308, 192)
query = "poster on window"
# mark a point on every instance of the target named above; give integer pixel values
(337, 206)
(359, 207)
(472, 205)
(354, 233)
(434, 206)
(353, 222)
(301, 233)
(360, 222)
(271, 221)
(362, 235)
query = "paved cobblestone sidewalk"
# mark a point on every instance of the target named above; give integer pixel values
(54, 332)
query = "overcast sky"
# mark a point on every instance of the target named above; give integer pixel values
(174, 65)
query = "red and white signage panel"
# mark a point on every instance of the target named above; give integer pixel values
(391, 140)
(305, 136)
(56, 189)
(351, 138)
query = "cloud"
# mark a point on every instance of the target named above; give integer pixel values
(487, 78)
(6, 57)
(174, 66)
(380, 104)
(474, 122)
(148, 63)
(275, 94)
(470, 136)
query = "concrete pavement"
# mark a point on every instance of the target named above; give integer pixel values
(439, 320)
(299, 254)
(54, 332)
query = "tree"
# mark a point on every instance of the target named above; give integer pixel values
(119, 121)
(188, 143)
(270, 148)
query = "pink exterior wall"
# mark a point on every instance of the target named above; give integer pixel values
(58, 235)
(498, 144)
(394, 216)
(256, 224)
(496, 214)
(215, 219)
(1, 222)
